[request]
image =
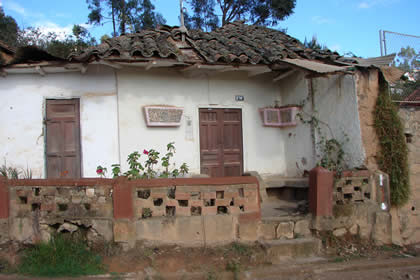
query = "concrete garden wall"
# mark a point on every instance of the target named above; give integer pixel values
(191, 212)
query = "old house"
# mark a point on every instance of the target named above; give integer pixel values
(238, 99)
(205, 91)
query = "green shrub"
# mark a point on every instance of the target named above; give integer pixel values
(393, 156)
(61, 256)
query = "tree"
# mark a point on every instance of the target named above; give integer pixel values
(8, 29)
(54, 45)
(314, 44)
(260, 12)
(407, 59)
(203, 17)
(124, 14)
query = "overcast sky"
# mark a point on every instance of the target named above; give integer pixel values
(342, 25)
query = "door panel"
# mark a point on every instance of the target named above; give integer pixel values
(63, 138)
(221, 142)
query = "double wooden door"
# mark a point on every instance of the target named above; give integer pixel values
(63, 138)
(221, 142)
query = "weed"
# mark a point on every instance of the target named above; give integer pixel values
(240, 249)
(235, 267)
(61, 256)
(9, 172)
(339, 260)
(211, 275)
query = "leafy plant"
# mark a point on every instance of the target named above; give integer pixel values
(61, 256)
(101, 171)
(9, 171)
(331, 152)
(393, 156)
(235, 267)
(116, 170)
(147, 171)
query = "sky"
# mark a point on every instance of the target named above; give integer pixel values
(342, 25)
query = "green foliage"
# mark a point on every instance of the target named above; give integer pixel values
(263, 12)
(407, 59)
(101, 171)
(61, 256)
(138, 171)
(235, 267)
(124, 15)
(146, 213)
(8, 29)
(240, 249)
(393, 157)
(331, 150)
(58, 45)
(9, 171)
(314, 44)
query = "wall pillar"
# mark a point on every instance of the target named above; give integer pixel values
(4, 199)
(321, 182)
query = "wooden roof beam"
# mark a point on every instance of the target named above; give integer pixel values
(110, 64)
(258, 72)
(191, 68)
(40, 70)
(150, 64)
(284, 75)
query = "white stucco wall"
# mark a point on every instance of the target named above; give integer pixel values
(22, 112)
(336, 105)
(263, 148)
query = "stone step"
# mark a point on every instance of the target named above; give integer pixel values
(280, 250)
(284, 228)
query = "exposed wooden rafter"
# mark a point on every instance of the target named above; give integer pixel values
(150, 64)
(191, 68)
(110, 64)
(40, 70)
(284, 75)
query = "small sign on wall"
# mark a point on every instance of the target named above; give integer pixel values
(163, 116)
(239, 98)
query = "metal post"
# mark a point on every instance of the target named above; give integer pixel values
(182, 12)
(384, 43)
(380, 42)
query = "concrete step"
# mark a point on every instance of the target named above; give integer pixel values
(280, 181)
(279, 251)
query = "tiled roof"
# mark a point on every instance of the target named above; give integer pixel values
(233, 43)
(414, 99)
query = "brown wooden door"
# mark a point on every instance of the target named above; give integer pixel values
(63, 138)
(221, 142)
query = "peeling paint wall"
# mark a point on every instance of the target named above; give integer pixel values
(23, 108)
(336, 105)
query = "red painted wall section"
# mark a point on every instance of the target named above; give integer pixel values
(321, 183)
(123, 201)
(4, 199)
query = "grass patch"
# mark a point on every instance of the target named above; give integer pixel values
(61, 256)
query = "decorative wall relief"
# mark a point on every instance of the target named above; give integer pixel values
(163, 116)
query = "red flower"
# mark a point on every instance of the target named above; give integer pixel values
(99, 171)
(145, 152)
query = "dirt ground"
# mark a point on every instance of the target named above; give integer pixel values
(342, 259)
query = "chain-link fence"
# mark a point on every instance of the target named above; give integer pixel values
(407, 50)
(405, 46)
